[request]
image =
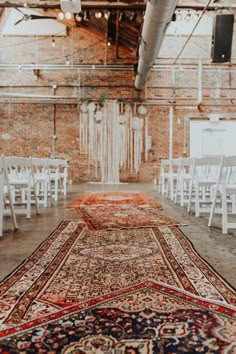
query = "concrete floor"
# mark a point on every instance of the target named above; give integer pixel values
(217, 249)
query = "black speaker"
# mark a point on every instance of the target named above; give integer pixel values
(222, 36)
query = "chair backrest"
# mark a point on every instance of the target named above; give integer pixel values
(187, 166)
(39, 161)
(1, 165)
(63, 167)
(39, 165)
(62, 163)
(165, 162)
(229, 170)
(165, 167)
(208, 166)
(53, 168)
(1, 174)
(17, 167)
(175, 164)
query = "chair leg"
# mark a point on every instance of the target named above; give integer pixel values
(190, 196)
(28, 202)
(212, 209)
(197, 201)
(12, 209)
(182, 193)
(1, 203)
(224, 211)
(36, 199)
(15, 225)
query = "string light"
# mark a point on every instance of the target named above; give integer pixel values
(53, 42)
(61, 16)
(79, 17)
(178, 16)
(133, 16)
(68, 15)
(188, 16)
(121, 16)
(107, 15)
(98, 14)
(196, 16)
(86, 16)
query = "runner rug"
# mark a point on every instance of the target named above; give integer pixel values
(107, 217)
(115, 198)
(118, 292)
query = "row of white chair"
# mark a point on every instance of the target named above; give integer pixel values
(204, 185)
(30, 181)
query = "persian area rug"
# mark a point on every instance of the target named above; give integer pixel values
(108, 217)
(117, 197)
(125, 291)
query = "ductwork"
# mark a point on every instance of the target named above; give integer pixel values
(158, 15)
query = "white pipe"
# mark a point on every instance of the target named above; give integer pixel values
(200, 82)
(171, 132)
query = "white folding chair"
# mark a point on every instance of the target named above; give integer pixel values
(184, 178)
(42, 180)
(164, 178)
(21, 180)
(63, 175)
(173, 177)
(168, 177)
(224, 201)
(5, 199)
(54, 175)
(205, 175)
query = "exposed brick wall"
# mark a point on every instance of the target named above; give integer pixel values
(27, 128)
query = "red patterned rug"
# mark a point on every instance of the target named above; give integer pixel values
(115, 198)
(108, 217)
(120, 292)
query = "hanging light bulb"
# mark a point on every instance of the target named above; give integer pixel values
(53, 42)
(98, 14)
(61, 16)
(188, 16)
(179, 16)
(196, 16)
(121, 16)
(68, 15)
(67, 61)
(107, 15)
(133, 16)
(86, 16)
(79, 17)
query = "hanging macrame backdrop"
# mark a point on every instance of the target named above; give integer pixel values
(113, 138)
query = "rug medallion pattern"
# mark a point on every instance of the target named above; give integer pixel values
(115, 198)
(108, 217)
(146, 319)
(75, 265)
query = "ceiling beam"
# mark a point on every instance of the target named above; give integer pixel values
(84, 4)
(110, 5)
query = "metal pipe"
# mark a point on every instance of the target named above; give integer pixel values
(171, 113)
(157, 17)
